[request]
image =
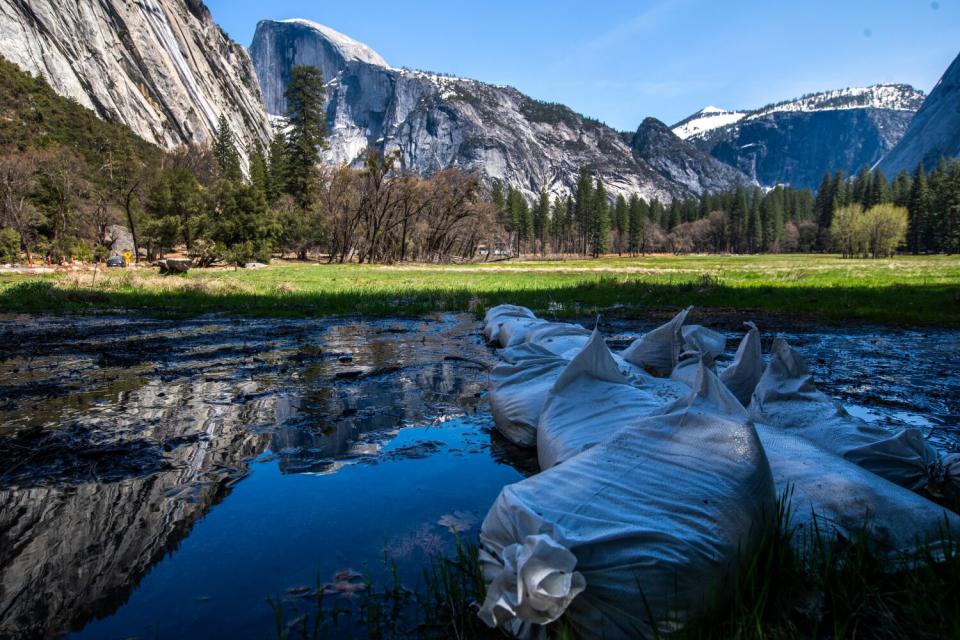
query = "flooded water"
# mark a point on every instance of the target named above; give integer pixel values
(161, 479)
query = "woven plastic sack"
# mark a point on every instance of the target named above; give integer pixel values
(592, 400)
(496, 316)
(787, 398)
(743, 374)
(659, 350)
(518, 387)
(831, 497)
(562, 338)
(634, 537)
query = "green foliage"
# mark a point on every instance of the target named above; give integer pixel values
(599, 220)
(876, 232)
(225, 150)
(9, 245)
(240, 226)
(34, 116)
(307, 117)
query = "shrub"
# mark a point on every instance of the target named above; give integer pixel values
(9, 245)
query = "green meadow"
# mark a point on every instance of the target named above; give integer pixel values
(920, 290)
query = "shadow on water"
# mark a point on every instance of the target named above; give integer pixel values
(116, 438)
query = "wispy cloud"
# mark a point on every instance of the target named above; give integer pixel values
(623, 32)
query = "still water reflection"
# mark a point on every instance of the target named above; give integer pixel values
(160, 479)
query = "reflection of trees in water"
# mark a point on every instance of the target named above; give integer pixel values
(343, 419)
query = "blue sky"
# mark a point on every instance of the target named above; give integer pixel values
(620, 61)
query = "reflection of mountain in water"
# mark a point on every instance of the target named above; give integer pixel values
(69, 552)
(115, 440)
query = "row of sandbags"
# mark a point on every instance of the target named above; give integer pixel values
(652, 488)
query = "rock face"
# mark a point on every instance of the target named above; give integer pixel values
(794, 142)
(436, 121)
(162, 67)
(934, 132)
(680, 162)
(120, 239)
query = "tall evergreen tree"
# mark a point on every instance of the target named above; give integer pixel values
(621, 221)
(583, 210)
(558, 224)
(637, 224)
(307, 118)
(225, 151)
(917, 210)
(258, 168)
(600, 220)
(277, 175)
(541, 219)
(739, 211)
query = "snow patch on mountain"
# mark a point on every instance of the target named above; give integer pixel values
(706, 120)
(891, 97)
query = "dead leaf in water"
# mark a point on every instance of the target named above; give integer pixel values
(458, 521)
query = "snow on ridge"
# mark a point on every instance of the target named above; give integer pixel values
(894, 97)
(706, 120)
(349, 48)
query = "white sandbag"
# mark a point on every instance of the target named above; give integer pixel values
(786, 398)
(562, 338)
(497, 315)
(700, 345)
(590, 402)
(707, 342)
(518, 387)
(514, 331)
(659, 350)
(832, 497)
(743, 374)
(651, 520)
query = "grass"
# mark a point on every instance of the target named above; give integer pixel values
(921, 290)
(844, 589)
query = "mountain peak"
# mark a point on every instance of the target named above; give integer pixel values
(349, 48)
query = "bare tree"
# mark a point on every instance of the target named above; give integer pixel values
(18, 173)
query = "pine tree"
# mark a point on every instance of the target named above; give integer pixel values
(656, 213)
(541, 218)
(900, 192)
(307, 118)
(621, 221)
(558, 224)
(754, 226)
(583, 209)
(277, 175)
(879, 190)
(258, 168)
(637, 223)
(739, 211)
(917, 210)
(225, 151)
(600, 220)
(860, 191)
(823, 205)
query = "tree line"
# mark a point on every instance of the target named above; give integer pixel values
(867, 215)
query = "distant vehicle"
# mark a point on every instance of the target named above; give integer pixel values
(116, 261)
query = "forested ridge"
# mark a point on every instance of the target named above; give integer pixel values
(66, 176)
